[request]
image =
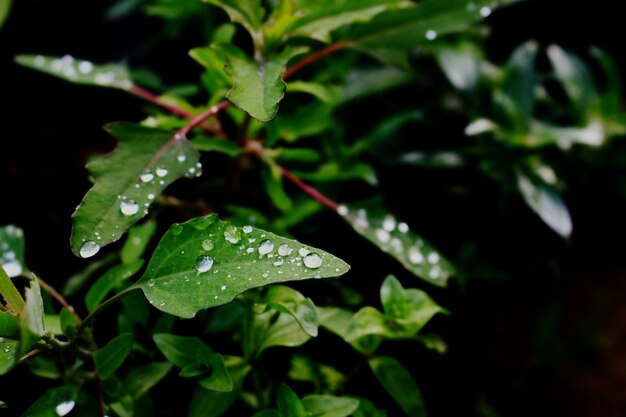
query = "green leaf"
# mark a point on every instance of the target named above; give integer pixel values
(224, 146)
(276, 191)
(79, 279)
(79, 71)
(249, 13)
(272, 329)
(112, 355)
(52, 324)
(368, 321)
(297, 154)
(269, 413)
(12, 250)
(195, 358)
(9, 354)
(69, 323)
(290, 301)
(206, 262)
(391, 35)
(367, 409)
(384, 131)
(55, 402)
(11, 299)
(396, 239)
(138, 239)
(461, 64)
(320, 91)
(141, 379)
(305, 121)
(110, 280)
(207, 403)
(127, 181)
(324, 377)
(289, 404)
(213, 61)
(520, 79)
(575, 77)
(5, 8)
(329, 405)
(9, 325)
(362, 83)
(257, 87)
(399, 383)
(546, 202)
(334, 319)
(31, 317)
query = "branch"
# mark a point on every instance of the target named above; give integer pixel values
(313, 192)
(314, 57)
(55, 294)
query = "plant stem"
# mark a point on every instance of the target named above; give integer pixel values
(312, 192)
(153, 98)
(30, 354)
(55, 294)
(98, 382)
(102, 306)
(197, 120)
(314, 57)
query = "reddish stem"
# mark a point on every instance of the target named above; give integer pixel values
(331, 204)
(314, 57)
(54, 294)
(153, 98)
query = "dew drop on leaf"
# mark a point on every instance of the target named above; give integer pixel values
(285, 250)
(129, 207)
(161, 172)
(207, 245)
(146, 176)
(266, 246)
(181, 158)
(485, 11)
(303, 251)
(177, 228)
(89, 249)
(403, 227)
(415, 256)
(247, 229)
(63, 408)
(204, 263)
(232, 234)
(433, 258)
(279, 261)
(431, 35)
(389, 223)
(312, 260)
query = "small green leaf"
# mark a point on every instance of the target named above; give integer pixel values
(127, 182)
(52, 324)
(395, 238)
(213, 61)
(334, 319)
(368, 321)
(324, 377)
(141, 379)
(520, 79)
(290, 301)
(546, 202)
(9, 325)
(461, 64)
(12, 250)
(79, 71)
(138, 239)
(12, 300)
(399, 383)
(56, 402)
(69, 323)
(367, 409)
(248, 13)
(575, 77)
(276, 191)
(320, 91)
(206, 262)
(9, 354)
(112, 355)
(305, 121)
(5, 8)
(31, 317)
(329, 405)
(225, 146)
(289, 404)
(257, 87)
(297, 154)
(110, 280)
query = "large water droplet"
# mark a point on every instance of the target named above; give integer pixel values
(389, 223)
(247, 229)
(431, 35)
(146, 176)
(85, 67)
(279, 261)
(207, 245)
(382, 235)
(12, 268)
(89, 249)
(266, 246)
(403, 227)
(415, 256)
(312, 260)
(485, 11)
(161, 172)
(204, 263)
(232, 234)
(181, 158)
(342, 210)
(433, 258)
(129, 207)
(285, 250)
(63, 408)
(303, 251)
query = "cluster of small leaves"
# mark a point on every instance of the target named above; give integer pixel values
(237, 268)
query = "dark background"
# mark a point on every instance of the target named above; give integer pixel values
(547, 340)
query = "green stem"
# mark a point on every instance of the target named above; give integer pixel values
(102, 306)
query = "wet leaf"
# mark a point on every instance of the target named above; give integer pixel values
(395, 238)
(257, 87)
(127, 182)
(329, 405)
(8, 354)
(399, 383)
(113, 354)
(290, 301)
(56, 402)
(31, 317)
(206, 262)
(109, 281)
(79, 71)
(12, 251)
(11, 299)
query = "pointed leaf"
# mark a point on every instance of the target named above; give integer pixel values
(461, 63)
(9, 325)
(399, 383)
(69, 323)
(257, 87)
(12, 250)
(206, 262)
(520, 79)
(138, 239)
(10, 298)
(290, 301)
(79, 71)
(112, 355)
(127, 181)
(547, 203)
(289, 404)
(329, 405)
(391, 35)
(213, 62)
(271, 329)
(109, 281)
(249, 13)
(9, 354)
(140, 380)
(5, 8)
(396, 239)
(56, 402)
(31, 318)
(575, 77)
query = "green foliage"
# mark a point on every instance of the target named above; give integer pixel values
(245, 284)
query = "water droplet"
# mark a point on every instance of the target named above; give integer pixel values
(104, 78)
(247, 229)
(151, 283)
(251, 240)
(279, 261)
(176, 228)
(223, 287)
(265, 247)
(89, 249)
(303, 251)
(403, 227)
(181, 158)
(162, 303)
(12, 268)
(39, 61)
(146, 176)
(342, 210)
(433, 258)
(382, 235)
(265, 275)
(312, 260)
(431, 35)
(161, 172)
(85, 67)
(64, 407)
(150, 196)
(250, 250)
(8, 256)
(285, 250)
(207, 245)
(129, 207)
(232, 234)
(415, 256)
(204, 263)
(389, 223)
(485, 11)
(434, 273)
